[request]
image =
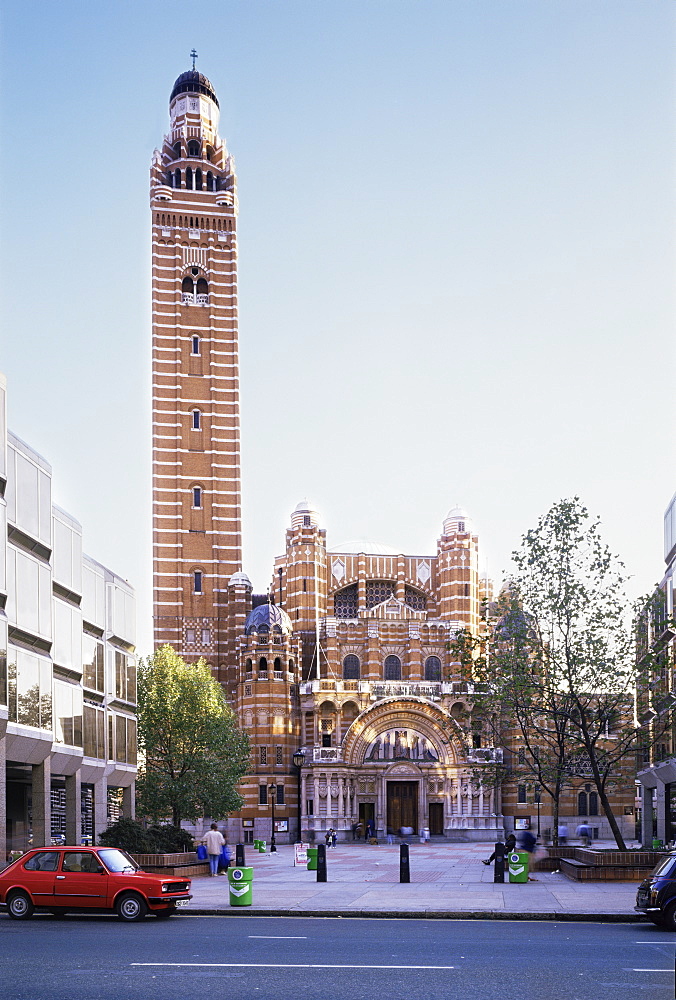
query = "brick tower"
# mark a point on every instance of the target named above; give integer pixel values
(196, 454)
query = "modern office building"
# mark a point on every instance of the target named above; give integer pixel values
(67, 667)
(656, 701)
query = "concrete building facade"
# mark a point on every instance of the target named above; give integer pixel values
(67, 667)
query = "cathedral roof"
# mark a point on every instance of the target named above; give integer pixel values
(192, 82)
(268, 616)
(368, 548)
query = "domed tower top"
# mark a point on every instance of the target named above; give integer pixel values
(193, 82)
(305, 516)
(268, 618)
(457, 521)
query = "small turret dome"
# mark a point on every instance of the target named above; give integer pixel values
(457, 521)
(192, 82)
(305, 515)
(268, 618)
(240, 579)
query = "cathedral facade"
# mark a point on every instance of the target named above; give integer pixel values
(343, 673)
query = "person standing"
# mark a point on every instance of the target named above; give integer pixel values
(214, 841)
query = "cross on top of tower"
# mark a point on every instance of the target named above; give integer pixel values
(193, 56)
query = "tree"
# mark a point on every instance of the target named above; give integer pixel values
(192, 752)
(563, 657)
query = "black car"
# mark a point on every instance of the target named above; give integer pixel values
(656, 896)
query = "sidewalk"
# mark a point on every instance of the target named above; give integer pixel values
(447, 880)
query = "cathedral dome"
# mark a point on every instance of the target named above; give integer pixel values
(192, 82)
(305, 515)
(457, 520)
(268, 618)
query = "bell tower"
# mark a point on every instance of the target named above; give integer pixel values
(196, 451)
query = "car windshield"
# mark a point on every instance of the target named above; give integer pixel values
(117, 861)
(666, 867)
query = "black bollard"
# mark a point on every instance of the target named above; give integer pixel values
(239, 856)
(321, 863)
(404, 867)
(499, 867)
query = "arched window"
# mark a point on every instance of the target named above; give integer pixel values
(195, 345)
(197, 496)
(210, 181)
(177, 178)
(345, 602)
(170, 178)
(177, 150)
(193, 148)
(392, 668)
(196, 420)
(582, 804)
(278, 664)
(262, 665)
(249, 666)
(432, 668)
(202, 288)
(188, 178)
(351, 667)
(208, 153)
(188, 292)
(198, 179)
(197, 581)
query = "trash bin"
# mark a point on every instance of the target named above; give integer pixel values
(518, 866)
(261, 847)
(657, 844)
(241, 886)
(202, 853)
(312, 859)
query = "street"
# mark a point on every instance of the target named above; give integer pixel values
(99, 958)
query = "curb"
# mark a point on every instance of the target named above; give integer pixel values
(616, 918)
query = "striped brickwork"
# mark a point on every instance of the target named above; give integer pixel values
(196, 452)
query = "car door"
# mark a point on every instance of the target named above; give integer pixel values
(38, 874)
(82, 881)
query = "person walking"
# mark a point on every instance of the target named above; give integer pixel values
(214, 840)
(584, 833)
(563, 834)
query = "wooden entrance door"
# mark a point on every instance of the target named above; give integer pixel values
(436, 821)
(402, 804)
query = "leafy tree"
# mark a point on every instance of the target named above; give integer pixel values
(563, 657)
(192, 752)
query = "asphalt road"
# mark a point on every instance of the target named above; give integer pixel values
(256, 958)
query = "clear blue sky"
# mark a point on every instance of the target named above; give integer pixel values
(456, 261)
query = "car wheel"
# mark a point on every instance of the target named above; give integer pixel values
(669, 919)
(19, 906)
(165, 914)
(129, 906)
(655, 918)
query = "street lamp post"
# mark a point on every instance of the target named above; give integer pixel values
(273, 798)
(298, 761)
(537, 802)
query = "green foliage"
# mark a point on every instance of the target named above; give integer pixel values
(561, 664)
(130, 835)
(192, 752)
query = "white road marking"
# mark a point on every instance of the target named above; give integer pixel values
(280, 937)
(278, 965)
(647, 970)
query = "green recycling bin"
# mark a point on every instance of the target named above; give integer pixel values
(518, 866)
(241, 886)
(312, 859)
(657, 844)
(261, 847)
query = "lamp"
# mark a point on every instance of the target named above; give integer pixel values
(298, 762)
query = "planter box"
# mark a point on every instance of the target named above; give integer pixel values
(586, 864)
(182, 863)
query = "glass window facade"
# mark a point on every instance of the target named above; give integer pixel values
(93, 663)
(29, 688)
(94, 729)
(67, 713)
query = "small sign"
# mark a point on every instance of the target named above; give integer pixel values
(522, 822)
(248, 824)
(300, 854)
(281, 826)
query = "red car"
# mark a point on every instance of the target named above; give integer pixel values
(88, 878)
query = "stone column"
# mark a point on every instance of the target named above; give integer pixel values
(646, 816)
(42, 803)
(129, 801)
(329, 797)
(74, 808)
(100, 808)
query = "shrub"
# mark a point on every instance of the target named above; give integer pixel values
(130, 835)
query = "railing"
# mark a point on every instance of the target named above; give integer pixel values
(187, 298)
(202, 300)
(391, 689)
(485, 755)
